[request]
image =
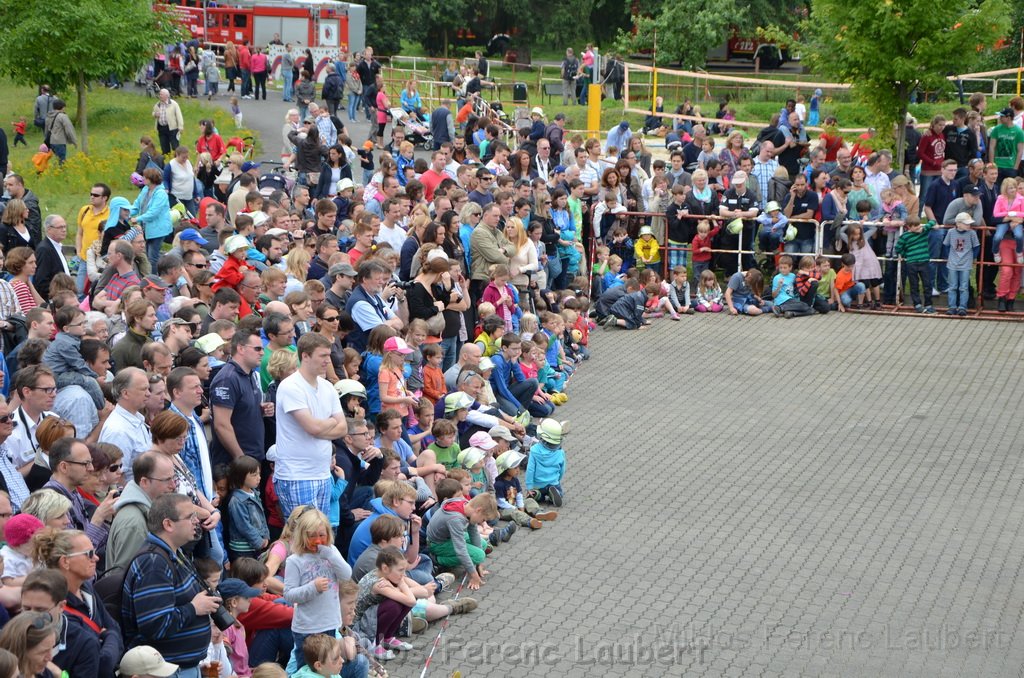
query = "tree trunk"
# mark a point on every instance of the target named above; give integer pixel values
(444, 34)
(83, 116)
(901, 130)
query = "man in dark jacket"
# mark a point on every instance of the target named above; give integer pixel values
(333, 89)
(165, 604)
(362, 463)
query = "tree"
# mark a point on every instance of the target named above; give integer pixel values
(71, 43)
(686, 30)
(889, 48)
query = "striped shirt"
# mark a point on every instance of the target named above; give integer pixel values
(913, 247)
(156, 609)
(117, 284)
(24, 295)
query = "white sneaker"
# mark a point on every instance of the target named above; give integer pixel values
(936, 292)
(395, 644)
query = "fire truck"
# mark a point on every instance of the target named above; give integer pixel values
(310, 23)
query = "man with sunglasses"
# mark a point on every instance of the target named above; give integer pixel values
(91, 221)
(237, 401)
(70, 464)
(153, 477)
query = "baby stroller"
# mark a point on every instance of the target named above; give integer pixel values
(416, 133)
(162, 81)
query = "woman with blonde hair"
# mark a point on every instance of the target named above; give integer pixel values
(50, 506)
(296, 267)
(731, 155)
(525, 257)
(13, 231)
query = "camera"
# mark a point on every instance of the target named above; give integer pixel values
(404, 285)
(221, 617)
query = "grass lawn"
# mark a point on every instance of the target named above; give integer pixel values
(117, 118)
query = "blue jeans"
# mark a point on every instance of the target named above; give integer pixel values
(271, 645)
(543, 491)
(450, 346)
(1018, 235)
(192, 672)
(153, 251)
(926, 180)
(522, 392)
(61, 151)
(959, 285)
(855, 291)
(287, 94)
(246, 82)
(357, 668)
(82, 275)
(353, 106)
(936, 250)
(369, 106)
(423, 573)
(676, 257)
(554, 269)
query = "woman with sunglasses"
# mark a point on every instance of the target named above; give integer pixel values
(328, 323)
(106, 474)
(31, 637)
(70, 554)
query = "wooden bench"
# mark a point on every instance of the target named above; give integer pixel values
(552, 89)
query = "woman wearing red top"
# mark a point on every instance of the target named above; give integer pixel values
(931, 151)
(831, 143)
(258, 63)
(210, 142)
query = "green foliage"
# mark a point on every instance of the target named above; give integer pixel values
(889, 48)
(1009, 55)
(70, 43)
(119, 118)
(686, 30)
(386, 21)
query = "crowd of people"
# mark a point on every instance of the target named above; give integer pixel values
(283, 435)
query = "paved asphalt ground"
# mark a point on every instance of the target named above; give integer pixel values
(828, 496)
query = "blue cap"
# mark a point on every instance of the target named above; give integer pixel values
(624, 125)
(229, 588)
(193, 235)
(559, 169)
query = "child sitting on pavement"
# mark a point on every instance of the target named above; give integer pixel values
(628, 311)
(454, 536)
(709, 293)
(785, 303)
(513, 505)
(743, 293)
(845, 289)
(808, 283)
(545, 469)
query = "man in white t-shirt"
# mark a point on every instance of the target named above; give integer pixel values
(309, 417)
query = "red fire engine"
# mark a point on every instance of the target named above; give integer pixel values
(312, 23)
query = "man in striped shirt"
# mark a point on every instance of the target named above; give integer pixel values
(165, 604)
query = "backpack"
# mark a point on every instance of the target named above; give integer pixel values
(16, 334)
(109, 586)
(570, 70)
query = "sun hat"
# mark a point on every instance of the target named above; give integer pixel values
(509, 459)
(551, 430)
(453, 402)
(483, 440)
(470, 457)
(346, 387)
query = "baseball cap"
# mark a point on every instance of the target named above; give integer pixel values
(276, 231)
(972, 189)
(236, 242)
(499, 431)
(453, 402)
(964, 218)
(559, 169)
(249, 165)
(208, 343)
(176, 322)
(624, 125)
(145, 661)
(397, 344)
(486, 364)
(193, 235)
(483, 440)
(341, 269)
(230, 587)
(153, 281)
(1006, 113)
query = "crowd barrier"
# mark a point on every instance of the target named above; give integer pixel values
(824, 248)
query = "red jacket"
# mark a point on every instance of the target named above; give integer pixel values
(231, 274)
(699, 242)
(244, 58)
(932, 151)
(265, 614)
(214, 146)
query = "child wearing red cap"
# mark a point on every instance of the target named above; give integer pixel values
(17, 552)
